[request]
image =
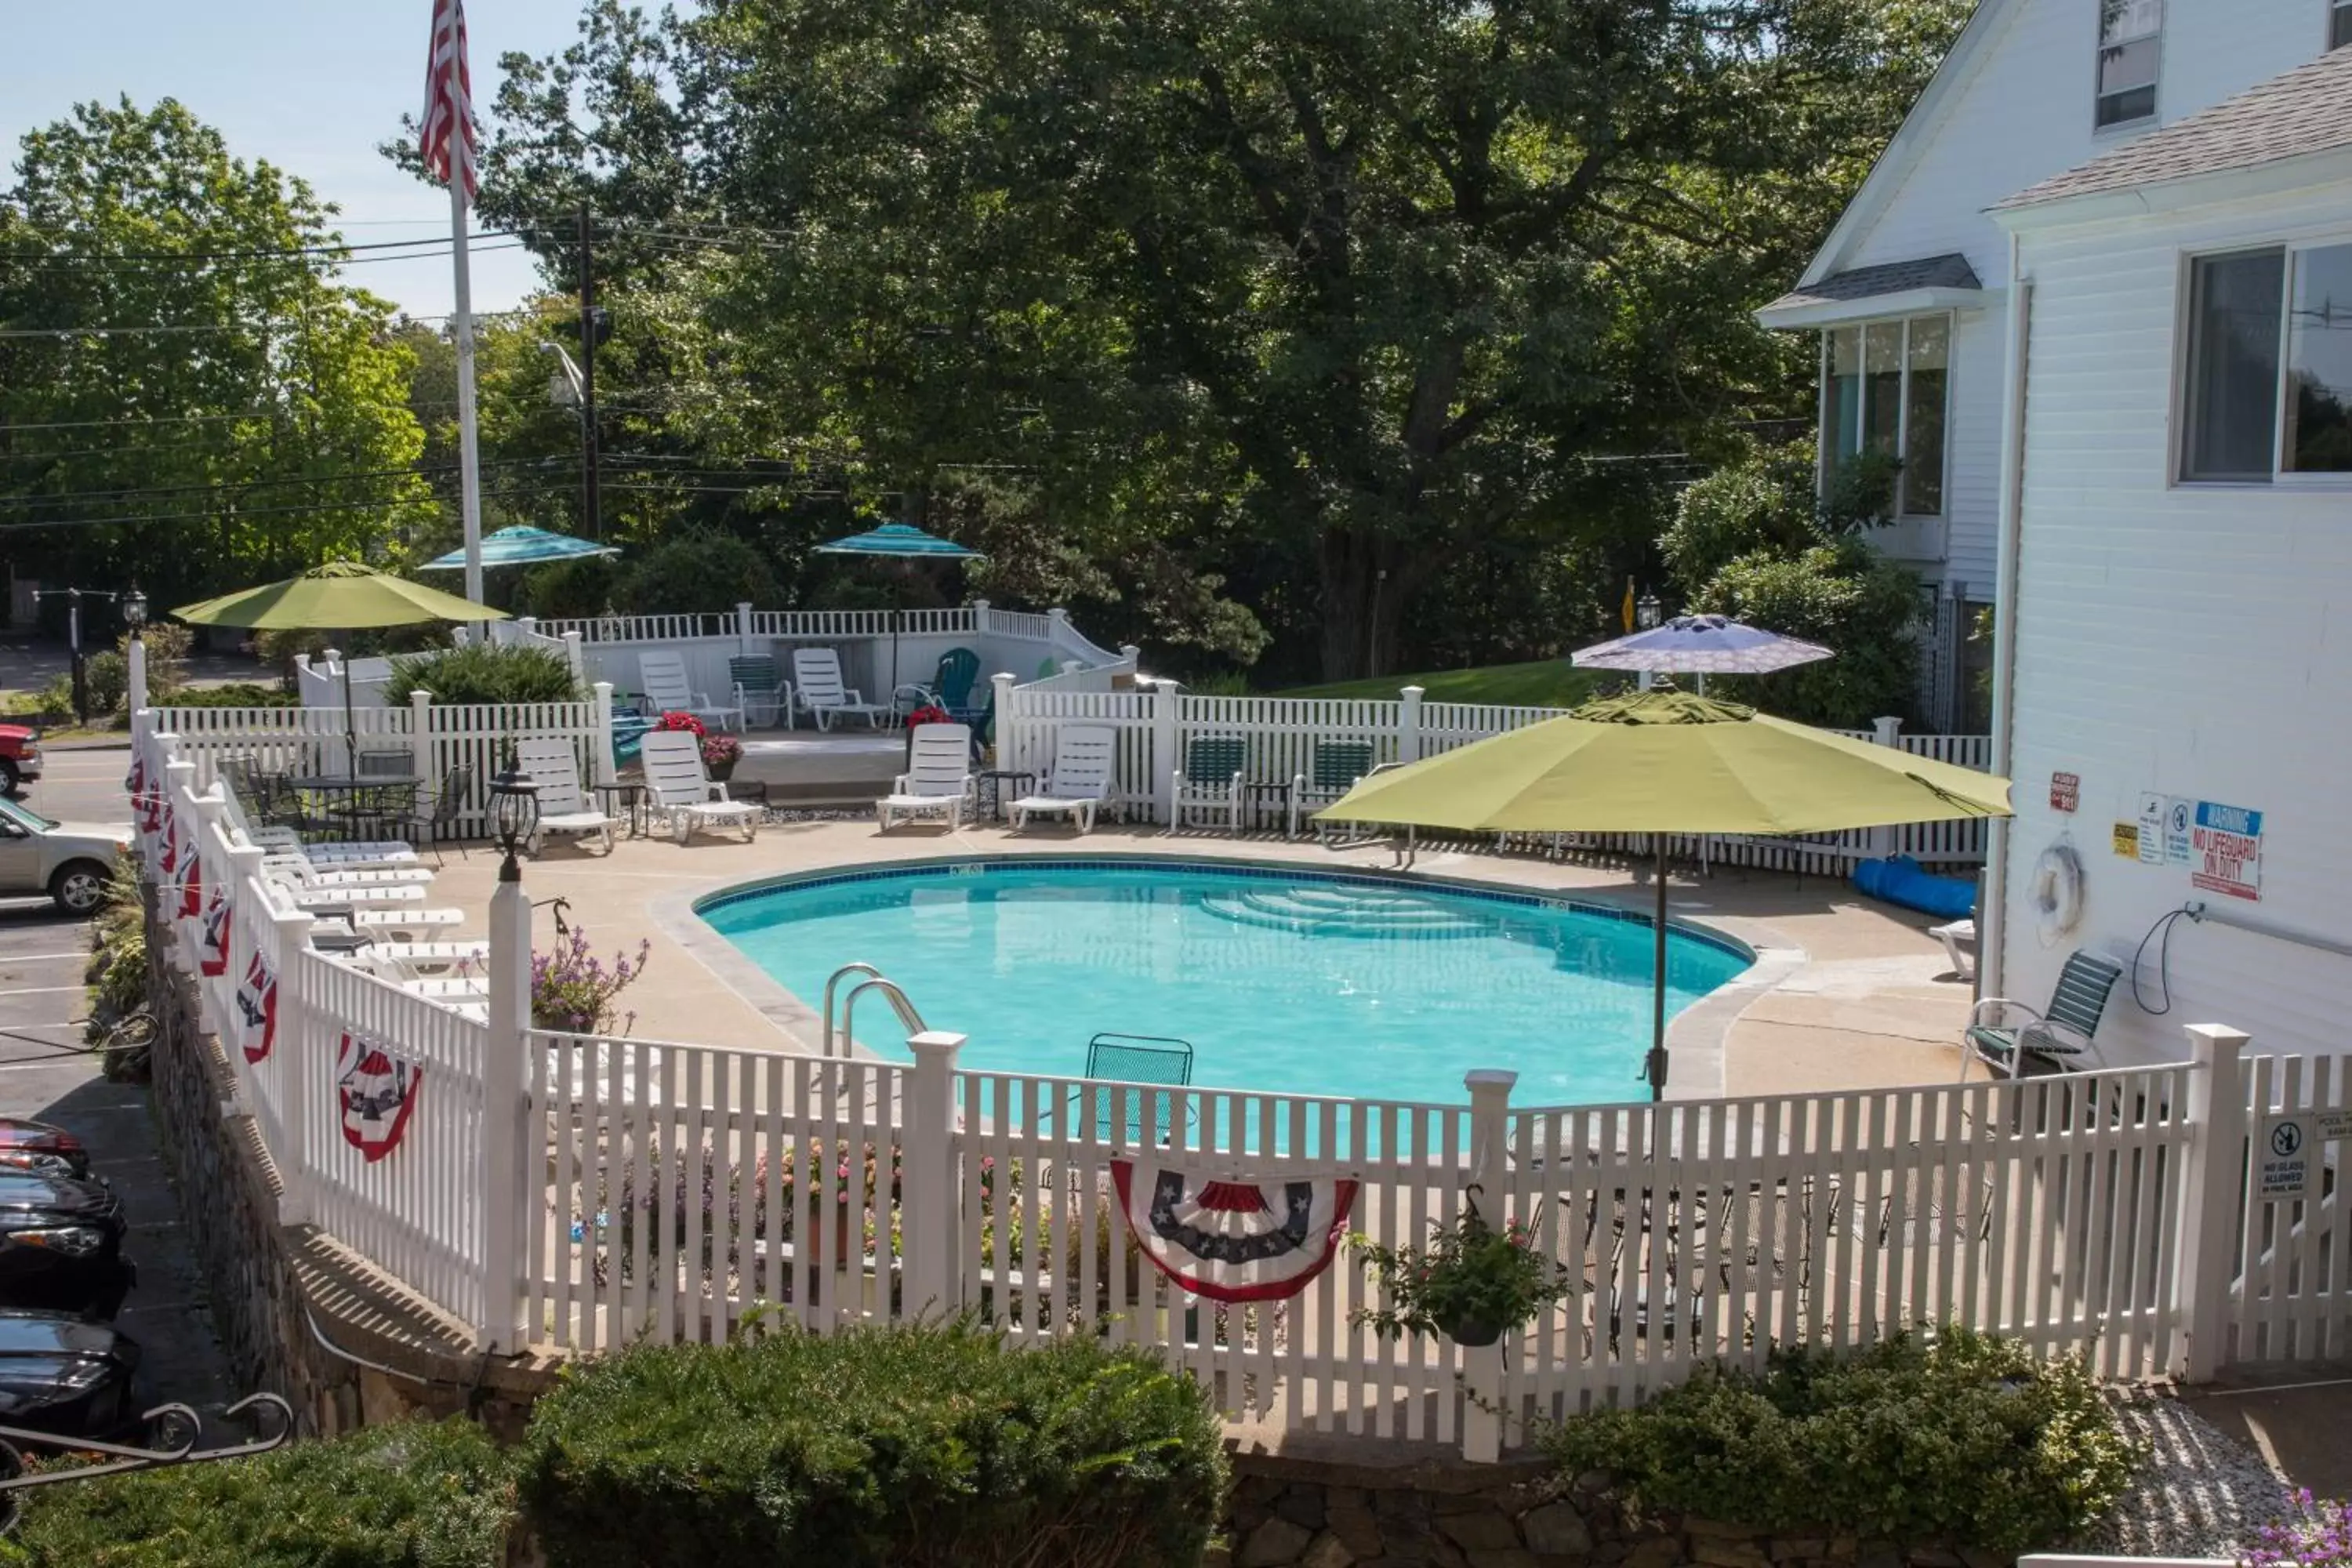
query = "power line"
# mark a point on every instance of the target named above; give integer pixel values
(84, 265)
(179, 257)
(144, 492)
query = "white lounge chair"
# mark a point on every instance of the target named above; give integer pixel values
(817, 688)
(282, 840)
(672, 760)
(562, 806)
(306, 872)
(1079, 782)
(937, 780)
(1960, 940)
(300, 888)
(667, 691)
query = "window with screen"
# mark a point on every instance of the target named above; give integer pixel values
(1884, 390)
(2268, 374)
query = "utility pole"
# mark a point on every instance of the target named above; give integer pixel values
(591, 515)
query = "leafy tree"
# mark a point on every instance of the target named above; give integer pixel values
(696, 572)
(1751, 541)
(1312, 304)
(200, 407)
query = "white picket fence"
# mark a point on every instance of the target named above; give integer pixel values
(1156, 723)
(583, 1194)
(436, 738)
(419, 1213)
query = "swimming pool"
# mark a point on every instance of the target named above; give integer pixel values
(1281, 979)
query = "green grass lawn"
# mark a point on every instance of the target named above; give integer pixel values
(1540, 683)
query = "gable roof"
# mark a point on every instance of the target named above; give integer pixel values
(1950, 270)
(1902, 155)
(2306, 110)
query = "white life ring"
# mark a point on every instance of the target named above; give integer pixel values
(2057, 891)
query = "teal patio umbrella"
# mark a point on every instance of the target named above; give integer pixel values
(521, 546)
(905, 542)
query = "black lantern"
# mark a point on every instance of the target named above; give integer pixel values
(514, 815)
(134, 611)
(1646, 613)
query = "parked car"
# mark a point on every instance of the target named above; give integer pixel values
(64, 1374)
(20, 756)
(41, 1149)
(71, 861)
(61, 1243)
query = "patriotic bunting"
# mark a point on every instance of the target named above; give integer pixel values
(212, 943)
(376, 1090)
(191, 890)
(1233, 1240)
(256, 1010)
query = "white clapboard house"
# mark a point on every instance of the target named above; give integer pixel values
(2099, 293)
(1905, 297)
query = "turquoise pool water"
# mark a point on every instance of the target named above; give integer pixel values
(1285, 981)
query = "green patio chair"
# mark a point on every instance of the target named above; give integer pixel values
(761, 691)
(1337, 767)
(1136, 1060)
(2005, 1033)
(951, 683)
(1211, 779)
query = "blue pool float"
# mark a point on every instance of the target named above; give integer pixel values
(1899, 880)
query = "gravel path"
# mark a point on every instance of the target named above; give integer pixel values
(2202, 1492)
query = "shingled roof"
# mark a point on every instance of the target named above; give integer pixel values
(1947, 271)
(2309, 110)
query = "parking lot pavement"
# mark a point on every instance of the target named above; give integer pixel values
(42, 956)
(81, 784)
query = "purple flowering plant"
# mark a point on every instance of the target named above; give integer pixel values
(2316, 1533)
(572, 990)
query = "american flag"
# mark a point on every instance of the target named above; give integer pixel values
(448, 98)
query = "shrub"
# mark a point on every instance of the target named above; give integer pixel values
(385, 1497)
(483, 672)
(1843, 595)
(107, 676)
(1963, 1437)
(697, 572)
(235, 694)
(2315, 1533)
(907, 1445)
(168, 644)
(568, 589)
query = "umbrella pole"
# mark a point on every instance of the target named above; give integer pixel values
(351, 724)
(1657, 1073)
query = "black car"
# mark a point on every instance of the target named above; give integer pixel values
(61, 1245)
(64, 1374)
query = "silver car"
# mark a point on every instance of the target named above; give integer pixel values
(71, 861)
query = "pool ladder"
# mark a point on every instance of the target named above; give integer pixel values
(875, 980)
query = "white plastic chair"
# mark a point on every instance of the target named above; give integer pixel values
(672, 760)
(817, 688)
(562, 807)
(937, 780)
(1960, 940)
(667, 691)
(1079, 781)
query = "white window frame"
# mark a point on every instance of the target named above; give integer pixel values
(2099, 46)
(1822, 455)
(2290, 250)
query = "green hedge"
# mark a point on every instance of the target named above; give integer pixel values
(407, 1496)
(1963, 1438)
(906, 1447)
(482, 672)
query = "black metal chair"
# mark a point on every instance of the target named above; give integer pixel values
(436, 818)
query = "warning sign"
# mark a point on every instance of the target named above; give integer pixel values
(2286, 1165)
(2066, 791)
(2126, 840)
(2151, 836)
(2225, 846)
(2329, 1126)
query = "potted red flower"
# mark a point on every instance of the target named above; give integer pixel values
(719, 755)
(928, 713)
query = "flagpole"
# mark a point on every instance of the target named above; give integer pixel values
(469, 458)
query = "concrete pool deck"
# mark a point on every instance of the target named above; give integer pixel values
(1848, 993)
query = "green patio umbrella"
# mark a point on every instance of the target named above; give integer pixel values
(1664, 761)
(341, 595)
(905, 542)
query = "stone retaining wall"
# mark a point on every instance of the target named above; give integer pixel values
(278, 1289)
(1288, 1512)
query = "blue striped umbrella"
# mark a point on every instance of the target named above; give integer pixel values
(521, 546)
(906, 541)
(900, 539)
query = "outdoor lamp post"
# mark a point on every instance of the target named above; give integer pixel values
(1648, 612)
(134, 612)
(514, 814)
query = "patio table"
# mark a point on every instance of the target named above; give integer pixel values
(992, 788)
(1257, 797)
(632, 795)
